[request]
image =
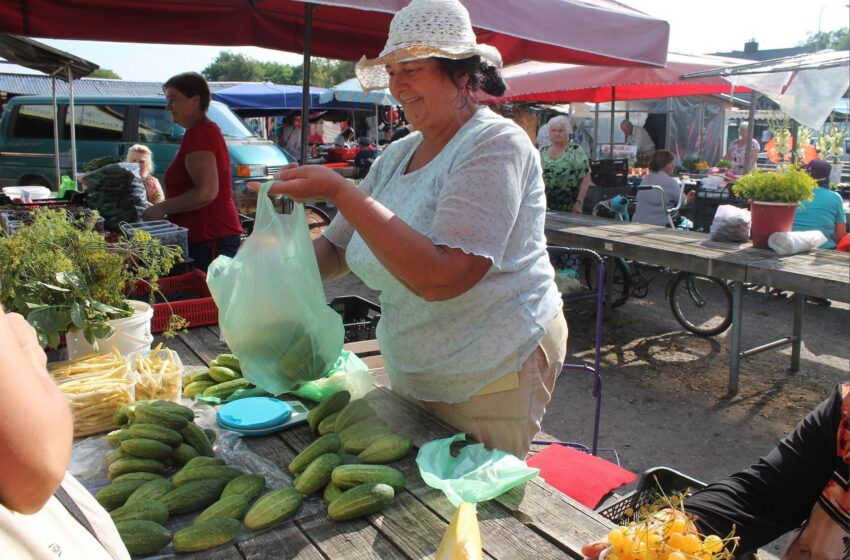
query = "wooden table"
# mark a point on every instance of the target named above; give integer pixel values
(824, 274)
(531, 521)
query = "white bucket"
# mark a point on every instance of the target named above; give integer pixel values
(130, 334)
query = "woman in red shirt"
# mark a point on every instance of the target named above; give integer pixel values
(199, 193)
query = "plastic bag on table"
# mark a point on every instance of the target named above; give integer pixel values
(793, 242)
(474, 475)
(349, 372)
(731, 224)
(272, 309)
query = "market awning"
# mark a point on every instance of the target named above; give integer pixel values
(258, 99)
(806, 87)
(580, 31)
(562, 83)
(38, 56)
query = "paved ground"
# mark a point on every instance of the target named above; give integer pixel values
(665, 397)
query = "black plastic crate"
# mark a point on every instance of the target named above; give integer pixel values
(609, 172)
(359, 316)
(654, 483)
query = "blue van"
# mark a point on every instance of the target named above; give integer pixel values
(108, 126)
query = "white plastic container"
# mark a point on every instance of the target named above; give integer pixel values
(130, 334)
(27, 194)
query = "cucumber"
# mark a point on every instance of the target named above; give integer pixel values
(234, 506)
(143, 537)
(273, 508)
(359, 427)
(361, 500)
(132, 464)
(184, 453)
(228, 361)
(114, 495)
(203, 462)
(348, 476)
(209, 534)
(175, 408)
(223, 374)
(150, 510)
(156, 432)
(146, 448)
(334, 403)
(224, 390)
(146, 476)
(353, 412)
(328, 425)
(357, 442)
(186, 476)
(195, 436)
(386, 449)
(151, 490)
(328, 443)
(115, 437)
(149, 414)
(331, 493)
(248, 485)
(199, 375)
(317, 474)
(193, 496)
(195, 388)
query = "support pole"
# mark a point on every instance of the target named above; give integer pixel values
(596, 133)
(611, 139)
(73, 124)
(305, 87)
(56, 139)
(748, 156)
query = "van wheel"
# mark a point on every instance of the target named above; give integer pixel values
(34, 181)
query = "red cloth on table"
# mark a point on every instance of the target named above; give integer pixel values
(581, 476)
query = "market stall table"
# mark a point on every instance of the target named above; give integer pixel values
(534, 517)
(824, 274)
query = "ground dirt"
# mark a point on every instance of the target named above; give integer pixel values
(666, 399)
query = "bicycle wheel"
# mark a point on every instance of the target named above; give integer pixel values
(701, 304)
(621, 284)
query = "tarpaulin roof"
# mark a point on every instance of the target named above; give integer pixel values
(579, 31)
(806, 87)
(352, 90)
(256, 99)
(560, 83)
(41, 57)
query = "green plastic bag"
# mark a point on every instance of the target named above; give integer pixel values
(476, 475)
(349, 373)
(271, 303)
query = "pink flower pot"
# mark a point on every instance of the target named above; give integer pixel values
(769, 218)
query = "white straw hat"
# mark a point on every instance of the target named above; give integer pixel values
(424, 29)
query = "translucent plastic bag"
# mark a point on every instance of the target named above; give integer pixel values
(793, 242)
(475, 475)
(271, 304)
(730, 224)
(349, 373)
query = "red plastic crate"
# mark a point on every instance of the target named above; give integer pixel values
(199, 310)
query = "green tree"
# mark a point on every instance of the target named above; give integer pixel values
(838, 40)
(325, 72)
(104, 73)
(233, 67)
(277, 73)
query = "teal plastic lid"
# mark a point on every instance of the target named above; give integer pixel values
(254, 413)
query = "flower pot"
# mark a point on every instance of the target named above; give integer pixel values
(835, 173)
(769, 218)
(130, 334)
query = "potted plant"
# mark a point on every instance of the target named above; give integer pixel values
(63, 276)
(773, 197)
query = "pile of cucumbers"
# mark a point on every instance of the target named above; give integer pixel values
(223, 380)
(347, 461)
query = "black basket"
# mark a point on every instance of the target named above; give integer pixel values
(359, 317)
(706, 204)
(653, 483)
(609, 172)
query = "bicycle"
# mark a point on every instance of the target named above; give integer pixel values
(701, 304)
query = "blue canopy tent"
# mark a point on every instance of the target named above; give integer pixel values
(261, 99)
(351, 91)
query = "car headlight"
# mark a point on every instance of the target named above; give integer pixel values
(250, 170)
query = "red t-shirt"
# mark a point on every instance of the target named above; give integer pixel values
(219, 218)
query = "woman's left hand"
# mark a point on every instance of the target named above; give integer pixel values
(155, 212)
(307, 183)
(577, 207)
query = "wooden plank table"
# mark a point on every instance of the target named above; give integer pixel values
(534, 520)
(824, 274)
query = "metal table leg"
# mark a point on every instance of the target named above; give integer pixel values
(735, 350)
(797, 334)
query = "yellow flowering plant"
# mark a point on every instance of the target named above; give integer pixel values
(62, 275)
(789, 184)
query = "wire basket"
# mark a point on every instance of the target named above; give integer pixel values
(654, 483)
(706, 203)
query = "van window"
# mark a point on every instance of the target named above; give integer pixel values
(97, 122)
(33, 121)
(156, 126)
(231, 126)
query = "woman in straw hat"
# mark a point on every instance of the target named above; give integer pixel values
(448, 226)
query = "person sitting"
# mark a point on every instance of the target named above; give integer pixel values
(344, 138)
(45, 513)
(825, 212)
(141, 155)
(799, 487)
(364, 158)
(650, 209)
(638, 136)
(737, 152)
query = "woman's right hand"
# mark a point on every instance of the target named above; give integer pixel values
(593, 550)
(307, 183)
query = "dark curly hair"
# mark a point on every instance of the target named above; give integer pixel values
(191, 84)
(482, 76)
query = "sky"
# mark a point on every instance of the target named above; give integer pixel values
(696, 26)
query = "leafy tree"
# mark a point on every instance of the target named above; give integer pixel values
(838, 40)
(104, 73)
(278, 73)
(233, 67)
(325, 72)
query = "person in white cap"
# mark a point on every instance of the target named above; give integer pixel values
(448, 226)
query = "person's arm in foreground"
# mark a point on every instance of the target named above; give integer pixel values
(201, 167)
(35, 421)
(433, 272)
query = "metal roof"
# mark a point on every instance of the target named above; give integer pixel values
(41, 57)
(811, 61)
(26, 84)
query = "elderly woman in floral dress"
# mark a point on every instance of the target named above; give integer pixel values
(566, 171)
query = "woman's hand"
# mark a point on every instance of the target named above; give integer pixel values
(593, 550)
(305, 184)
(155, 212)
(577, 207)
(27, 340)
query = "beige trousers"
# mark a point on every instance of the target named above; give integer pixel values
(507, 413)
